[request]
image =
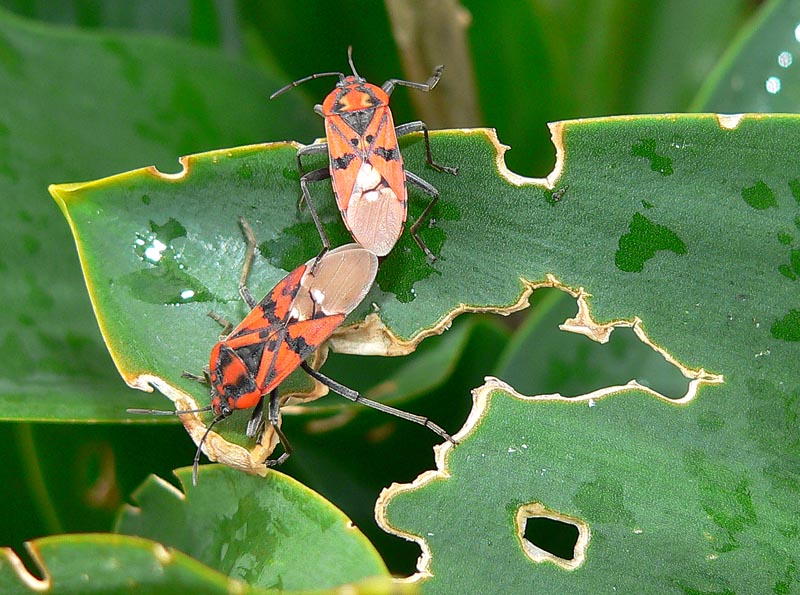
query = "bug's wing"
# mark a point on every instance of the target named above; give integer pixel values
(346, 155)
(372, 196)
(338, 283)
(269, 314)
(327, 294)
(292, 345)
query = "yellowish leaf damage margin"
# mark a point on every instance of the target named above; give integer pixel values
(582, 323)
(536, 509)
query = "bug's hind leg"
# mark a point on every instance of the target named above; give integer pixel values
(420, 126)
(349, 393)
(316, 176)
(426, 214)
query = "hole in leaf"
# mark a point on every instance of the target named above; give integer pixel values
(549, 536)
(553, 536)
(547, 360)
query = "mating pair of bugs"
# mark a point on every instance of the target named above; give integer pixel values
(306, 306)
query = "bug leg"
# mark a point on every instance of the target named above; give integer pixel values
(226, 324)
(349, 393)
(315, 176)
(256, 422)
(249, 253)
(389, 85)
(425, 216)
(314, 149)
(204, 379)
(274, 405)
(420, 126)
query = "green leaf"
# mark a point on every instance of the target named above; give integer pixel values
(667, 498)
(698, 494)
(271, 532)
(119, 565)
(112, 224)
(757, 73)
(78, 106)
(353, 455)
(109, 564)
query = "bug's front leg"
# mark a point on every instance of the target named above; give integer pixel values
(250, 251)
(204, 379)
(316, 176)
(388, 86)
(256, 423)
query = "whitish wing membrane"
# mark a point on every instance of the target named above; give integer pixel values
(374, 215)
(339, 282)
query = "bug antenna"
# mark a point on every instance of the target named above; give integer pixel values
(196, 464)
(305, 79)
(350, 60)
(163, 412)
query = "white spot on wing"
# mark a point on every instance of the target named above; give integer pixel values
(368, 178)
(317, 295)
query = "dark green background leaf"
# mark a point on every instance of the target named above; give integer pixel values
(758, 73)
(85, 105)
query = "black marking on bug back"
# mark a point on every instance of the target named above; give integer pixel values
(343, 162)
(223, 361)
(251, 355)
(272, 345)
(388, 154)
(299, 345)
(269, 313)
(358, 120)
(244, 384)
(268, 305)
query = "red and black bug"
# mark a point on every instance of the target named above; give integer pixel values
(279, 333)
(365, 164)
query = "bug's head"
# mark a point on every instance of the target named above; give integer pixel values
(220, 405)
